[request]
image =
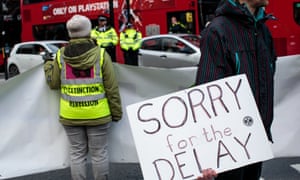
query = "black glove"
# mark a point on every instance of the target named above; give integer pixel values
(48, 57)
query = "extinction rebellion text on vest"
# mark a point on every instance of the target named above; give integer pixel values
(80, 90)
(83, 103)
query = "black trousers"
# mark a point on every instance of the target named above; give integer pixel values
(250, 172)
(111, 50)
(131, 57)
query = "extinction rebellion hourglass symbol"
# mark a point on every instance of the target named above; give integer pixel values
(248, 121)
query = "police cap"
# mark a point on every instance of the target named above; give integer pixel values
(102, 18)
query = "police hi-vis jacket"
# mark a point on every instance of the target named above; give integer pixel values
(130, 39)
(89, 90)
(105, 38)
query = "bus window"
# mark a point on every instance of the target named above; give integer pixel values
(206, 11)
(297, 12)
(186, 18)
(50, 32)
(33, 1)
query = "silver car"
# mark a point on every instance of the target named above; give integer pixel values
(170, 50)
(27, 55)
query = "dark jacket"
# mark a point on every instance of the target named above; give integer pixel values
(234, 43)
(82, 54)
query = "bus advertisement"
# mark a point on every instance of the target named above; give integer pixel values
(45, 19)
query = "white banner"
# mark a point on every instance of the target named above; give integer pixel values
(215, 125)
(286, 123)
(33, 141)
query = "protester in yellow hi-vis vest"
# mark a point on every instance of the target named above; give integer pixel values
(130, 42)
(89, 97)
(106, 36)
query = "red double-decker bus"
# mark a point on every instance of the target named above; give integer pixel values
(45, 19)
(286, 30)
(151, 16)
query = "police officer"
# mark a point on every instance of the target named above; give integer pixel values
(130, 42)
(176, 26)
(106, 36)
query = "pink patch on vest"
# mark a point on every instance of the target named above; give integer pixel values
(72, 73)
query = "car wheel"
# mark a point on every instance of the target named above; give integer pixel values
(13, 70)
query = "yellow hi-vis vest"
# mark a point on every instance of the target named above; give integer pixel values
(130, 39)
(83, 98)
(105, 38)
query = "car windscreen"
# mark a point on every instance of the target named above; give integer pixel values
(194, 39)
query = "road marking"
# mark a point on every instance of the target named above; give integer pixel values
(296, 166)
